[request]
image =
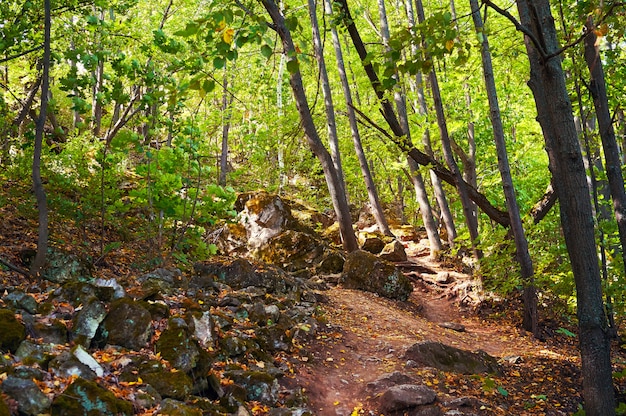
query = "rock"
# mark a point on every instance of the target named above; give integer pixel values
(171, 407)
(75, 293)
(406, 396)
(30, 353)
(63, 267)
(30, 400)
(447, 358)
(12, 331)
(21, 300)
(393, 252)
(331, 264)
(176, 345)
(51, 331)
(171, 277)
(84, 397)
(86, 359)
(173, 384)
(108, 289)
(67, 364)
(365, 271)
(455, 326)
(87, 321)
(145, 397)
(264, 216)
(388, 380)
(128, 324)
(202, 328)
(371, 243)
(259, 385)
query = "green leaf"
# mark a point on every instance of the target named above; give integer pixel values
(218, 62)
(189, 30)
(565, 332)
(266, 51)
(208, 85)
(293, 66)
(502, 391)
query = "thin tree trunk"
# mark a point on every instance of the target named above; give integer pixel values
(531, 318)
(422, 108)
(554, 109)
(597, 87)
(340, 202)
(282, 176)
(372, 193)
(470, 220)
(331, 124)
(416, 178)
(226, 112)
(96, 109)
(40, 193)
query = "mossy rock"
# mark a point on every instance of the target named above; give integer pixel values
(259, 385)
(128, 324)
(176, 345)
(173, 384)
(85, 397)
(366, 271)
(12, 331)
(172, 407)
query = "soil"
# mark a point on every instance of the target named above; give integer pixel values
(366, 336)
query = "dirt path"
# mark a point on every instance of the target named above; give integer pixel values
(366, 336)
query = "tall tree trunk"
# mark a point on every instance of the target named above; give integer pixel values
(613, 168)
(372, 193)
(470, 220)
(331, 124)
(40, 193)
(416, 177)
(531, 319)
(554, 109)
(340, 202)
(422, 108)
(226, 113)
(282, 175)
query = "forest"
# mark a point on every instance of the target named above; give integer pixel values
(152, 149)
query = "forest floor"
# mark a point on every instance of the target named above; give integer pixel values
(366, 336)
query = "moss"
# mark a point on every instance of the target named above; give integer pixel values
(12, 331)
(4, 408)
(85, 397)
(176, 385)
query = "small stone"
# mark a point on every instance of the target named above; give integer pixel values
(405, 396)
(453, 326)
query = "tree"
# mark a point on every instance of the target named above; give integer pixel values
(372, 193)
(530, 321)
(40, 193)
(554, 109)
(340, 202)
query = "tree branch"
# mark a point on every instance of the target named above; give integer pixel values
(19, 55)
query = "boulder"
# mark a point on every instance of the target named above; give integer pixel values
(366, 271)
(259, 385)
(393, 252)
(12, 331)
(170, 407)
(406, 396)
(30, 353)
(447, 358)
(128, 324)
(173, 384)
(388, 380)
(21, 300)
(263, 215)
(176, 345)
(84, 397)
(63, 267)
(87, 321)
(52, 331)
(371, 242)
(76, 363)
(30, 399)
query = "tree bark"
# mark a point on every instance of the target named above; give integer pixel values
(554, 109)
(332, 180)
(40, 193)
(531, 319)
(331, 124)
(613, 166)
(372, 193)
